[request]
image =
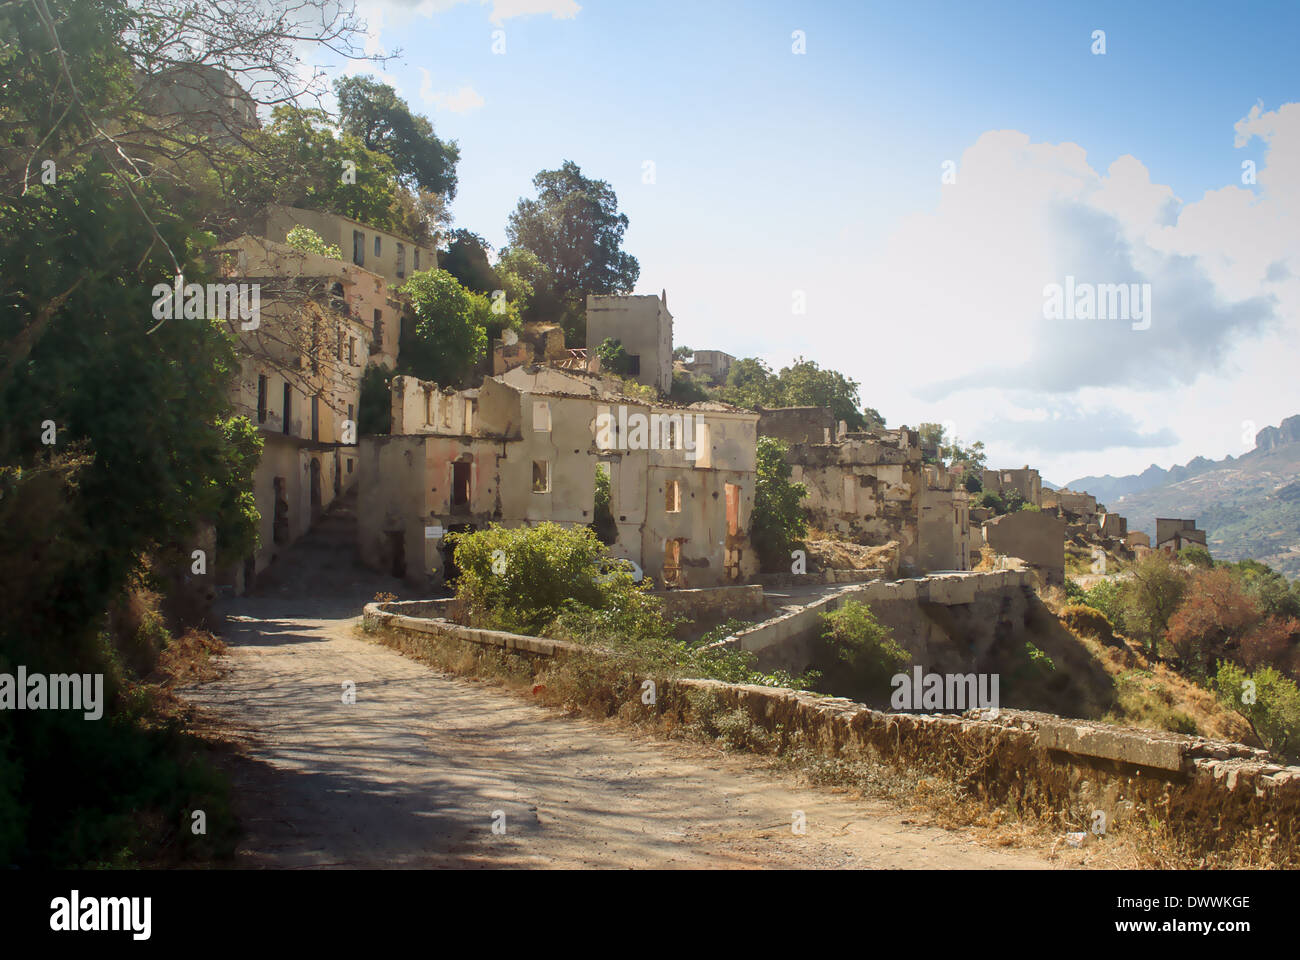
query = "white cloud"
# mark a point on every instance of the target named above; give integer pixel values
(462, 101)
(957, 295)
(502, 10)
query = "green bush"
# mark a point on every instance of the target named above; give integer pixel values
(1108, 597)
(1088, 622)
(520, 578)
(865, 645)
(1268, 701)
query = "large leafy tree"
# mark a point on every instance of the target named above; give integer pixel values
(576, 231)
(302, 162)
(373, 113)
(448, 335)
(804, 383)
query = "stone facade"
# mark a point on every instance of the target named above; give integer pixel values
(1024, 481)
(645, 328)
(873, 487)
(519, 454)
(1036, 538)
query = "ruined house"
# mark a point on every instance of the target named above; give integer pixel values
(299, 381)
(1024, 481)
(1031, 536)
(712, 365)
(1082, 505)
(1174, 535)
(873, 487)
(645, 328)
(525, 448)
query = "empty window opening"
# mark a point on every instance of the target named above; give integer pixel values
(672, 571)
(541, 416)
(460, 474)
(261, 399)
(541, 476)
(673, 497)
(401, 260)
(287, 408)
(377, 246)
(358, 248)
(634, 364)
(733, 509)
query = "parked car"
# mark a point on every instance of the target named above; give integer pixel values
(609, 567)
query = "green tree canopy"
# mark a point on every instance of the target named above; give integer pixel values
(448, 335)
(381, 120)
(575, 230)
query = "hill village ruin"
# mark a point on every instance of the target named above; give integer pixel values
(525, 445)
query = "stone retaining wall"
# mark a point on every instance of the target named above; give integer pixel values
(1080, 765)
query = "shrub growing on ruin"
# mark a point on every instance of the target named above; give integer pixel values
(778, 524)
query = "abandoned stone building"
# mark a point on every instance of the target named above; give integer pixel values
(710, 365)
(1174, 535)
(1024, 481)
(873, 487)
(1082, 505)
(645, 328)
(392, 257)
(525, 448)
(299, 381)
(1035, 538)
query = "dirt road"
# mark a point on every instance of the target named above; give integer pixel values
(417, 772)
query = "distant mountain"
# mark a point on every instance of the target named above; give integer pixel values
(1248, 506)
(1108, 489)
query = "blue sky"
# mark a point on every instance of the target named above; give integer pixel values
(820, 174)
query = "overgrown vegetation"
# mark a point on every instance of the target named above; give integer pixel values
(867, 649)
(778, 525)
(548, 580)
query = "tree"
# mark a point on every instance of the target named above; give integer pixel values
(862, 642)
(751, 383)
(683, 353)
(602, 513)
(874, 421)
(298, 160)
(373, 112)
(447, 336)
(1268, 701)
(1214, 616)
(1152, 595)
(466, 259)
(375, 406)
(576, 231)
(804, 383)
(778, 523)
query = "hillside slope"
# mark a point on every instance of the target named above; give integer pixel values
(1249, 507)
